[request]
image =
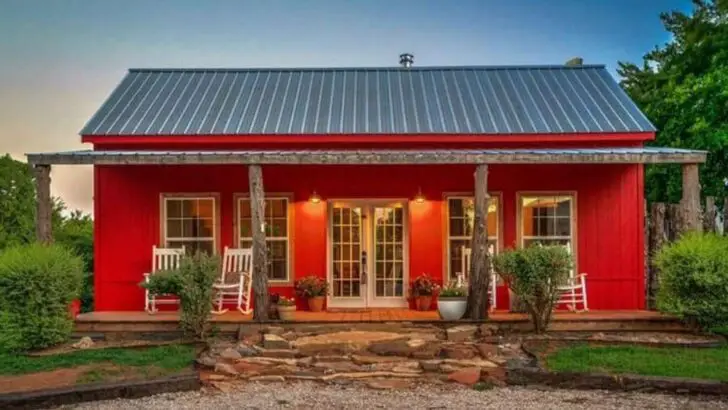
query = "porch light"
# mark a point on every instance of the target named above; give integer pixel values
(315, 198)
(419, 198)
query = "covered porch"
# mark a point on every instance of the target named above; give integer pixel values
(491, 168)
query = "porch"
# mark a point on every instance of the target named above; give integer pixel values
(231, 322)
(138, 179)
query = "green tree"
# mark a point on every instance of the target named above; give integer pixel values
(17, 203)
(682, 87)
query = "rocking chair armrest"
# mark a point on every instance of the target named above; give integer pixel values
(580, 275)
(147, 275)
(219, 285)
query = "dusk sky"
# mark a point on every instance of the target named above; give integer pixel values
(59, 60)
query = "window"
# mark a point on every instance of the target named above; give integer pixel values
(547, 219)
(189, 222)
(460, 220)
(276, 234)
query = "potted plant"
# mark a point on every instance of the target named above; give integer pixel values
(451, 302)
(422, 288)
(286, 308)
(314, 289)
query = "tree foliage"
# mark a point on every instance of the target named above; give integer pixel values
(72, 229)
(682, 87)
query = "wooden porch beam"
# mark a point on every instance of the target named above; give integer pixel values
(260, 254)
(368, 157)
(691, 197)
(477, 308)
(44, 203)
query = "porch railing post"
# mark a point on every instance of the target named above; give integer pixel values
(260, 254)
(477, 308)
(691, 197)
(44, 204)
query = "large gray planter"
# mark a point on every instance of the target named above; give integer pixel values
(451, 308)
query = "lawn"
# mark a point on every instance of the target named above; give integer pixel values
(168, 359)
(700, 363)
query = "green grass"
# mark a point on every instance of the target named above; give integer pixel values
(700, 363)
(171, 358)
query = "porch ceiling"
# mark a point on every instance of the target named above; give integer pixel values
(646, 155)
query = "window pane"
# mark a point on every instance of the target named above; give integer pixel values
(174, 228)
(457, 227)
(192, 246)
(277, 228)
(187, 207)
(204, 208)
(174, 208)
(546, 220)
(276, 208)
(245, 208)
(455, 206)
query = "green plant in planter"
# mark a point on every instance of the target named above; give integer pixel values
(534, 274)
(423, 285)
(453, 292)
(311, 287)
(192, 283)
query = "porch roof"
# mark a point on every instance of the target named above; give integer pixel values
(641, 155)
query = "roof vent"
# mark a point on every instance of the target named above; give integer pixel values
(406, 60)
(575, 62)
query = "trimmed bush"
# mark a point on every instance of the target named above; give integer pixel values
(192, 284)
(37, 283)
(694, 280)
(534, 274)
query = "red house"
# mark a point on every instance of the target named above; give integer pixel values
(368, 173)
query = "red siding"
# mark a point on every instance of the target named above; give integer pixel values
(609, 217)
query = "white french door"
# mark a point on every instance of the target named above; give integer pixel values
(367, 253)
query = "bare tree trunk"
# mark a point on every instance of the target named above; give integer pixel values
(260, 254)
(691, 197)
(709, 215)
(44, 204)
(658, 237)
(477, 308)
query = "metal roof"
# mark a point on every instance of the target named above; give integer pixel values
(422, 100)
(374, 156)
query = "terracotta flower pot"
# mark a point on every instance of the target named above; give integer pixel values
(316, 303)
(424, 302)
(286, 312)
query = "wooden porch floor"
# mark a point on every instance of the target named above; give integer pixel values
(371, 315)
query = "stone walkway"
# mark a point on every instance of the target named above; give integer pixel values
(309, 395)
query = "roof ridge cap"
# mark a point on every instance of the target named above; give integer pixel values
(373, 68)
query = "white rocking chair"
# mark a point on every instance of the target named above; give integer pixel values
(573, 292)
(462, 276)
(235, 281)
(162, 259)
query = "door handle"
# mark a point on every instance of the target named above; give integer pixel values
(363, 273)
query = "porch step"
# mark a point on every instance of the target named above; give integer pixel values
(139, 325)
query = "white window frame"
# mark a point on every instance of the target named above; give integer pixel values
(497, 237)
(166, 197)
(288, 239)
(572, 238)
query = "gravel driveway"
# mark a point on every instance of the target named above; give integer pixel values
(307, 395)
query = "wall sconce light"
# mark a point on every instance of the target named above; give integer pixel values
(314, 198)
(419, 198)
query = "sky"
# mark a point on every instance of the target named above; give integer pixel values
(60, 59)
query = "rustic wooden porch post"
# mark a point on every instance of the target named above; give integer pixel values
(691, 197)
(44, 204)
(260, 254)
(477, 307)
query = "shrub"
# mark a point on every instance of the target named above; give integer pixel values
(694, 279)
(533, 274)
(193, 284)
(311, 287)
(37, 283)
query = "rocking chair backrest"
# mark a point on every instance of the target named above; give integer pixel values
(166, 258)
(465, 261)
(235, 260)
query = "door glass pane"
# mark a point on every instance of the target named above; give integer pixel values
(389, 246)
(346, 252)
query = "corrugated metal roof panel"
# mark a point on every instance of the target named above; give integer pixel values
(427, 100)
